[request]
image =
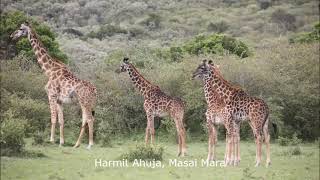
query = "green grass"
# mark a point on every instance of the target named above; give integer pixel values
(68, 163)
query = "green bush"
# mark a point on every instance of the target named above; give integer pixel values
(216, 44)
(295, 151)
(285, 141)
(12, 135)
(107, 30)
(144, 152)
(35, 112)
(39, 138)
(176, 54)
(11, 20)
(307, 37)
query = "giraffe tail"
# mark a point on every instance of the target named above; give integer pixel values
(93, 113)
(275, 128)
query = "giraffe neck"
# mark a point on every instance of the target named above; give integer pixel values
(222, 87)
(143, 85)
(44, 59)
(212, 97)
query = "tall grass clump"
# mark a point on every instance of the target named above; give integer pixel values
(144, 152)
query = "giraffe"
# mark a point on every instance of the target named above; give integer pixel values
(214, 114)
(157, 104)
(239, 106)
(62, 87)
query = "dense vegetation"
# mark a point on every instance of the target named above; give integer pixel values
(166, 40)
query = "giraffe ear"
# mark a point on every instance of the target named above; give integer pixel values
(210, 62)
(126, 60)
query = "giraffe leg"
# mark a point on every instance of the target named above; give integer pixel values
(227, 150)
(83, 126)
(152, 131)
(237, 144)
(90, 125)
(178, 128)
(181, 134)
(183, 141)
(267, 141)
(61, 122)
(230, 149)
(148, 129)
(212, 141)
(179, 143)
(84, 121)
(258, 144)
(53, 111)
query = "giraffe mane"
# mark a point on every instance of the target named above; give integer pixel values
(218, 72)
(134, 68)
(34, 33)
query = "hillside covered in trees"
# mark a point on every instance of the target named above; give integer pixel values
(269, 48)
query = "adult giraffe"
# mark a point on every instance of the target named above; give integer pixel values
(239, 106)
(62, 86)
(157, 103)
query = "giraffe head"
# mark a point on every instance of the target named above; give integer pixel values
(125, 65)
(22, 31)
(203, 70)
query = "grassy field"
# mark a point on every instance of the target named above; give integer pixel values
(68, 163)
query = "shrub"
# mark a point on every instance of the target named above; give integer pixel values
(10, 21)
(218, 27)
(136, 32)
(264, 4)
(105, 140)
(216, 44)
(107, 30)
(295, 140)
(284, 19)
(144, 152)
(285, 141)
(295, 150)
(152, 21)
(168, 125)
(176, 53)
(307, 37)
(12, 134)
(35, 113)
(39, 138)
(73, 32)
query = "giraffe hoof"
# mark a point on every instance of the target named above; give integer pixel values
(179, 154)
(235, 163)
(89, 147)
(257, 164)
(268, 164)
